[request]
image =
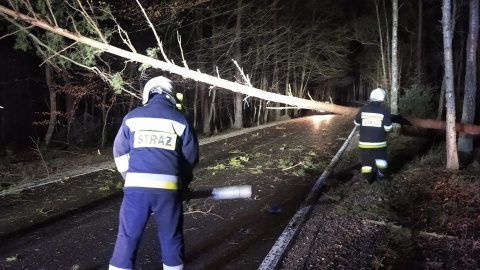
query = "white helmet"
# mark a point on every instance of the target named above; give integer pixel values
(377, 95)
(156, 85)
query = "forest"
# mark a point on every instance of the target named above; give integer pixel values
(59, 90)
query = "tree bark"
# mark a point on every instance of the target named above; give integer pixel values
(105, 110)
(383, 58)
(238, 41)
(53, 106)
(205, 100)
(465, 142)
(201, 87)
(451, 139)
(212, 110)
(441, 101)
(395, 86)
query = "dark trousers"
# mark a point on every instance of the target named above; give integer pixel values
(137, 206)
(374, 160)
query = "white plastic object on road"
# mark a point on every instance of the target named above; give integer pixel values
(234, 192)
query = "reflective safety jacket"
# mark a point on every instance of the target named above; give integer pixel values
(155, 146)
(374, 121)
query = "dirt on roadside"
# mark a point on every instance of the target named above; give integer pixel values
(422, 217)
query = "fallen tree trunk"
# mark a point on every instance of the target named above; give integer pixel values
(182, 71)
(434, 124)
(216, 81)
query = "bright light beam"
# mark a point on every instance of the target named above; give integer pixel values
(321, 120)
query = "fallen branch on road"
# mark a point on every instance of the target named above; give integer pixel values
(397, 227)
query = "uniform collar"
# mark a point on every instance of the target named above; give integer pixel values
(161, 99)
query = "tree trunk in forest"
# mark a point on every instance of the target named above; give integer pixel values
(105, 110)
(3, 121)
(70, 108)
(458, 65)
(382, 53)
(195, 110)
(53, 106)
(205, 100)
(201, 87)
(465, 142)
(238, 41)
(289, 64)
(387, 42)
(275, 80)
(441, 101)
(451, 139)
(395, 83)
(212, 110)
(419, 42)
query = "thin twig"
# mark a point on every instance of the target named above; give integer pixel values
(397, 227)
(13, 33)
(58, 53)
(51, 12)
(179, 39)
(245, 77)
(301, 163)
(209, 211)
(154, 32)
(39, 153)
(92, 22)
(125, 38)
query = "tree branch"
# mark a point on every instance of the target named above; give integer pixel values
(160, 45)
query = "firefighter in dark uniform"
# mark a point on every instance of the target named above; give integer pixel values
(155, 150)
(374, 122)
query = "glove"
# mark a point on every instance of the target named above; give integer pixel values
(396, 118)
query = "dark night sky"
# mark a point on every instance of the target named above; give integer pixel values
(352, 8)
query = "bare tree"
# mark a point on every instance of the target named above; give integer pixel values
(451, 139)
(465, 143)
(53, 105)
(395, 73)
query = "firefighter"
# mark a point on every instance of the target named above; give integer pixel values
(155, 151)
(374, 122)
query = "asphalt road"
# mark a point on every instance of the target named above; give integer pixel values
(232, 234)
